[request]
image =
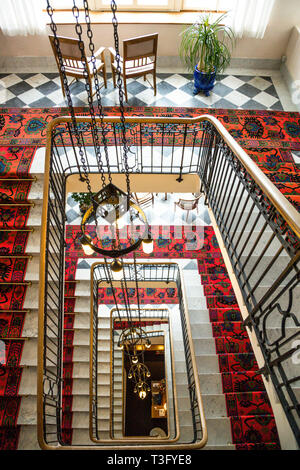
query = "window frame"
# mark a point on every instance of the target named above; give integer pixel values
(172, 5)
(175, 6)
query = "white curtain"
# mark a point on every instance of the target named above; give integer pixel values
(250, 18)
(22, 17)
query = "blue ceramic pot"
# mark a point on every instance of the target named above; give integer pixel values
(203, 81)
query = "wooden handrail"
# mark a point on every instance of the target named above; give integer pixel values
(282, 205)
(280, 202)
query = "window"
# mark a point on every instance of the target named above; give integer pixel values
(211, 5)
(150, 5)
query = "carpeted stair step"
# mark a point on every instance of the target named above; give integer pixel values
(216, 261)
(16, 160)
(286, 167)
(225, 314)
(288, 188)
(218, 288)
(258, 447)
(235, 329)
(241, 362)
(221, 301)
(295, 201)
(12, 191)
(12, 323)
(254, 429)
(248, 404)
(10, 380)
(282, 177)
(230, 344)
(16, 216)
(246, 381)
(212, 269)
(9, 437)
(214, 278)
(15, 242)
(13, 269)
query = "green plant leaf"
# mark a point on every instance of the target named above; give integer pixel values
(207, 44)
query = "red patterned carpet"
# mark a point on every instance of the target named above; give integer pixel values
(252, 422)
(268, 137)
(13, 241)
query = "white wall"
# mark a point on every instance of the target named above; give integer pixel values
(285, 16)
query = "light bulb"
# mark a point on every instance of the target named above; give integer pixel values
(135, 360)
(117, 270)
(142, 394)
(88, 250)
(130, 375)
(147, 246)
(148, 374)
(148, 345)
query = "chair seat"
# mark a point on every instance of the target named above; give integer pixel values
(131, 70)
(79, 70)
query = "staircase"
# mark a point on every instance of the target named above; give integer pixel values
(208, 331)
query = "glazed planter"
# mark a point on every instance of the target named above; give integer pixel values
(203, 81)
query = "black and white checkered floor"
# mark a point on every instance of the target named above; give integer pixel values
(163, 212)
(173, 89)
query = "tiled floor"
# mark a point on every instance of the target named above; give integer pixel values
(162, 212)
(173, 89)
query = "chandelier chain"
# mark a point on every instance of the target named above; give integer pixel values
(121, 96)
(97, 86)
(79, 31)
(53, 27)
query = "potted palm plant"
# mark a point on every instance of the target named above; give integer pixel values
(84, 200)
(206, 48)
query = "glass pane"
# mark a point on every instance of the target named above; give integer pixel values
(200, 4)
(226, 4)
(150, 3)
(119, 2)
(62, 4)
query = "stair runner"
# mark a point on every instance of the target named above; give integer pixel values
(15, 185)
(252, 422)
(69, 320)
(19, 127)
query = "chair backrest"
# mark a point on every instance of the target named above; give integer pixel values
(141, 50)
(188, 204)
(70, 51)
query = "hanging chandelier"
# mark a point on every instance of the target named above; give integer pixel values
(110, 208)
(113, 206)
(139, 374)
(133, 340)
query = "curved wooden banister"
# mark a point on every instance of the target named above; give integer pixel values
(281, 203)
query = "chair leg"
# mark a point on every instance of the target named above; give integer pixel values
(154, 83)
(144, 78)
(62, 86)
(91, 85)
(125, 88)
(187, 215)
(113, 76)
(104, 76)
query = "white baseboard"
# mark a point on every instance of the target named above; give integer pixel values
(48, 64)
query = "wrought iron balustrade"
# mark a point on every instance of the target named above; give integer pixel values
(163, 273)
(259, 227)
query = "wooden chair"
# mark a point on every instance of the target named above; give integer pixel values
(71, 55)
(187, 205)
(139, 59)
(144, 199)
